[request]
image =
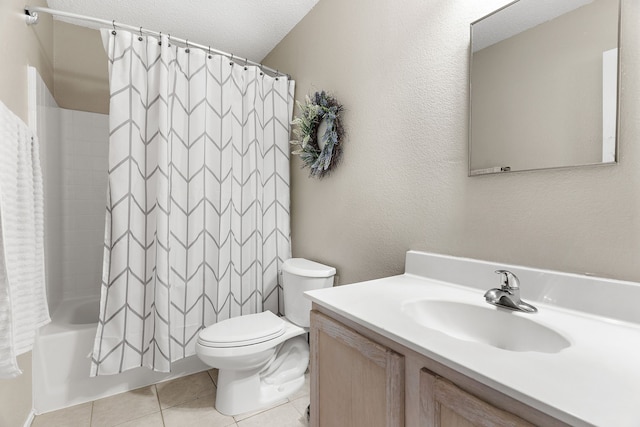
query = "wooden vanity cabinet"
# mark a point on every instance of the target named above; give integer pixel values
(445, 405)
(362, 379)
(355, 381)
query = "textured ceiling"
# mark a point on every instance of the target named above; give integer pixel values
(245, 28)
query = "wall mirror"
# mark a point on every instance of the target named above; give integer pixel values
(544, 86)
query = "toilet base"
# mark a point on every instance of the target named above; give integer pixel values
(245, 391)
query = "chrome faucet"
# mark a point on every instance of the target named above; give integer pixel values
(508, 295)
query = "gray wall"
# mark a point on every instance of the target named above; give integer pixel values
(401, 72)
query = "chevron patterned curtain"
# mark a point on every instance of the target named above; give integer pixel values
(197, 220)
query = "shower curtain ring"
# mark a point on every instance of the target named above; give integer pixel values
(160, 39)
(140, 37)
(245, 63)
(113, 23)
(169, 40)
(231, 62)
(187, 50)
(209, 52)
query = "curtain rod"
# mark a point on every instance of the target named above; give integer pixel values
(32, 19)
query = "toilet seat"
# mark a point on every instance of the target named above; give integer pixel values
(244, 330)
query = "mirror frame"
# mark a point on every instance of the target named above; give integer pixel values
(617, 124)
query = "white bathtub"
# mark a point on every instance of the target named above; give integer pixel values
(61, 361)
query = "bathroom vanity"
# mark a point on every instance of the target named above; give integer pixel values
(425, 349)
(359, 381)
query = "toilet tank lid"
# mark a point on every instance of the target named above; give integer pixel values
(305, 268)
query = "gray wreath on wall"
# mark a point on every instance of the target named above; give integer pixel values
(319, 133)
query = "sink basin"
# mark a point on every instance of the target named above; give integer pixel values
(489, 325)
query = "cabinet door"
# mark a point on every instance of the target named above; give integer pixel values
(354, 381)
(445, 405)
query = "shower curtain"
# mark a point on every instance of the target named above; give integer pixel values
(197, 220)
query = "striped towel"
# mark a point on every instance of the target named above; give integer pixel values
(23, 302)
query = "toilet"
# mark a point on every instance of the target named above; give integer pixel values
(262, 358)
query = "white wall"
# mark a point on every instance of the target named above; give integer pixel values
(44, 119)
(401, 71)
(85, 145)
(74, 152)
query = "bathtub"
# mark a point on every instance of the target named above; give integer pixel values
(61, 361)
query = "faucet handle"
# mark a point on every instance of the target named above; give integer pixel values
(509, 281)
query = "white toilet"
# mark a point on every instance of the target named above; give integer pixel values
(262, 358)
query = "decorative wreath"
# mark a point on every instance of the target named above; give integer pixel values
(320, 153)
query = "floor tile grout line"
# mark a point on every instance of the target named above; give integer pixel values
(212, 380)
(261, 411)
(159, 404)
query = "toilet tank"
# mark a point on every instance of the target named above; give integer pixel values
(298, 276)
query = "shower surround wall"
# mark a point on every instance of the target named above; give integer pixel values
(44, 119)
(84, 150)
(74, 150)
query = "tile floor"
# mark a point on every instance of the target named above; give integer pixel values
(183, 402)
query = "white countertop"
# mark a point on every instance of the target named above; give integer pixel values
(595, 381)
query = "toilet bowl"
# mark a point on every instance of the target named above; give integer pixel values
(261, 357)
